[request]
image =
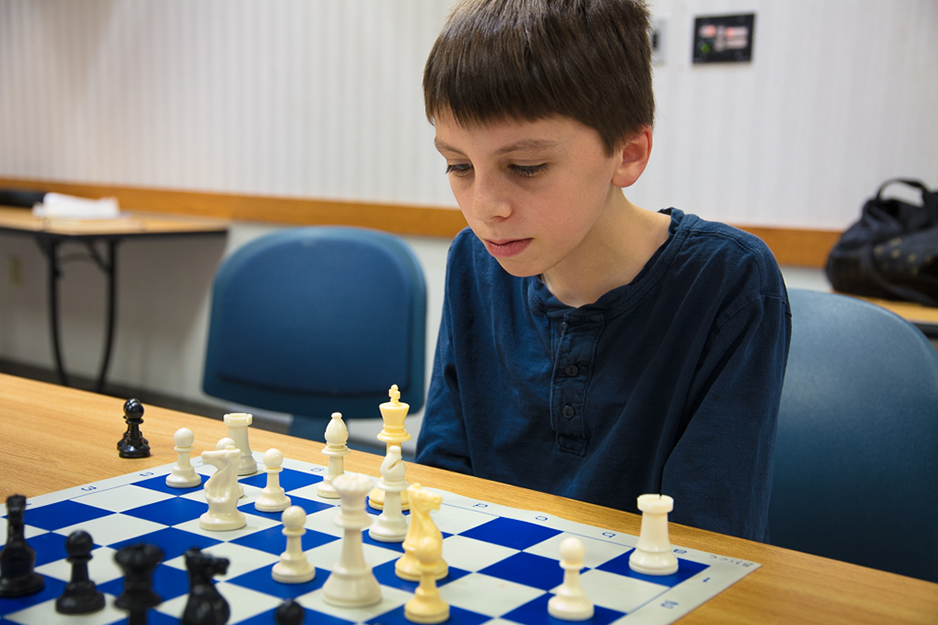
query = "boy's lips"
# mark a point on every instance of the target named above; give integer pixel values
(505, 248)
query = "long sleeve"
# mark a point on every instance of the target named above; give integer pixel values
(720, 470)
(443, 441)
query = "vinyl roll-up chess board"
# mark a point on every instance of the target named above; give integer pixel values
(504, 562)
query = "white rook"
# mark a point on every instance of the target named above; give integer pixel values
(238, 423)
(653, 555)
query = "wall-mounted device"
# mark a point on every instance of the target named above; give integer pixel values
(657, 34)
(724, 38)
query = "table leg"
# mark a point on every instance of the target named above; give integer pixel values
(109, 267)
(49, 247)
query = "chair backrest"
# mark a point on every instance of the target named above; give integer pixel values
(317, 320)
(856, 458)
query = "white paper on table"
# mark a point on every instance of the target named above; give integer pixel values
(71, 207)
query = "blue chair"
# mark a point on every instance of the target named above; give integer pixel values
(311, 321)
(856, 458)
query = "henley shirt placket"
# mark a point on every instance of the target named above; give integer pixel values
(570, 378)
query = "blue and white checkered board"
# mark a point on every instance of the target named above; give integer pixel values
(503, 562)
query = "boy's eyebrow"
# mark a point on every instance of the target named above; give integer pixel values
(527, 145)
(524, 145)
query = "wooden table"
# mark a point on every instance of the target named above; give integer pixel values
(53, 437)
(925, 318)
(50, 233)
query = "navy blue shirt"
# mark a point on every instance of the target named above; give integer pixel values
(669, 384)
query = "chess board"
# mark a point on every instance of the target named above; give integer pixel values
(503, 561)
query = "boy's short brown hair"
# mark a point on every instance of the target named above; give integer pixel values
(589, 60)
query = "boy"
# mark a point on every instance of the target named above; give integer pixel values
(588, 347)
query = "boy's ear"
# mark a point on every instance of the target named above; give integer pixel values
(633, 157)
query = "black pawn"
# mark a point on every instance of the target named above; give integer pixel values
(133, 445)
(17, 559)
(205, 605)
(80, 596)
(289, 613)
(138, 563)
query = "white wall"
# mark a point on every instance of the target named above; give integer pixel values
(322, 99)
(840, 96)
(280, 97)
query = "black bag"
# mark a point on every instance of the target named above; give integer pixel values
(892, 252)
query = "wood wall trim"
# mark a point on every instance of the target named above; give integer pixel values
(795, 246)
(791, 246)
(399, 219)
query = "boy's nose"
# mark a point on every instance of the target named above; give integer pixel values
(489, 203)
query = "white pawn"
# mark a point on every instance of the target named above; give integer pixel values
(352, 582)
(391, 525)
(293, 567)
(228, 443)
(272, 498)
(183, 474)
(427, 607)
(336, 449)
(653, 554)
(570, 602)
(238, 423)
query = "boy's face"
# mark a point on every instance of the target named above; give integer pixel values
(533, 192)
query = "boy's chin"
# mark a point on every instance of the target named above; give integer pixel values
(517, 269)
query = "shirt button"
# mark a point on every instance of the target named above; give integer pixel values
(568, 412)
(571, 370)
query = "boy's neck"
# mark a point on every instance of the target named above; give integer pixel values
(620, 245)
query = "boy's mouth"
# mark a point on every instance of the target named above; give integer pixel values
(506, 248)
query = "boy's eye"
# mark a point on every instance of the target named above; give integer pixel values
(460, 169)
(528, 170)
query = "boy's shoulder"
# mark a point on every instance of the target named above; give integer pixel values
(722, 246)
(716, 232)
